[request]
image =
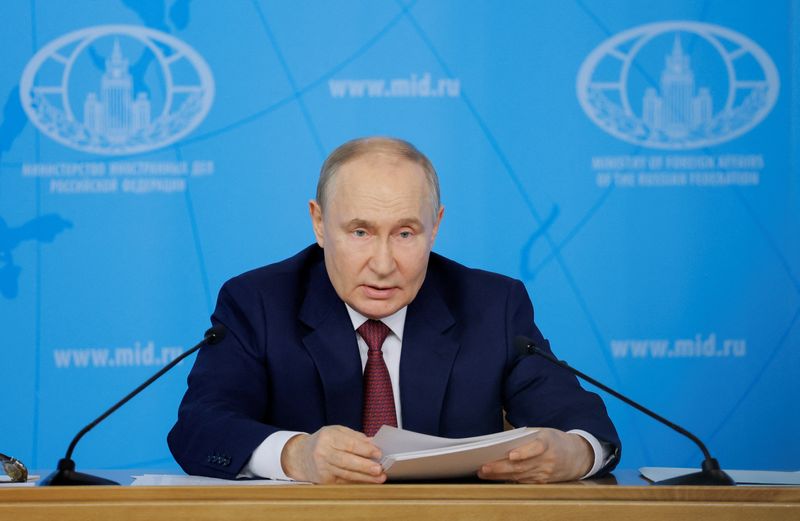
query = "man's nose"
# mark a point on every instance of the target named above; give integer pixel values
(382, 260)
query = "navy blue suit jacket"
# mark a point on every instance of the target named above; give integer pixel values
(290, 361)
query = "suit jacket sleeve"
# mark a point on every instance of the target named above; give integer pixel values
(218, 423)
(539, 393)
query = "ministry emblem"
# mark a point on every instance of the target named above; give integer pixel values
(116, 89)
(642, 86)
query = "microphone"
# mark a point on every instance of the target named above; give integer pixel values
(66, 473)
(711, 473)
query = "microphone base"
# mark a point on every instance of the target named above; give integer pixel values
(711, 476)
(66, 475)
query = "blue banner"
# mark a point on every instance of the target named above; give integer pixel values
(634, 163)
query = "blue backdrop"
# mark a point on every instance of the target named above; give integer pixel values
(634, 163)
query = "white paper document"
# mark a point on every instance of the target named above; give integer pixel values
(176, 480)
(5, 481)
(410, 455)
(741, 477)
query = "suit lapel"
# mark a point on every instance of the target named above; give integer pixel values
(429, 350)
(332, 345)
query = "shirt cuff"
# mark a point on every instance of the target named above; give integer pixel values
(265, 462)
(602, 451)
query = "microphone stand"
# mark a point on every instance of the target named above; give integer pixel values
(66, 475)
(710, 474)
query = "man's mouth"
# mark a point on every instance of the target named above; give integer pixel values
(379, 292)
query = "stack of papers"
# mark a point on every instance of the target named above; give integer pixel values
(410, 455)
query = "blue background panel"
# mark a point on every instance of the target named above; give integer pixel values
(682, 292)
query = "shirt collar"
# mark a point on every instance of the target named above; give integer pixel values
(396, 321)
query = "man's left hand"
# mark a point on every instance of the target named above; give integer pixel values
(552, 456)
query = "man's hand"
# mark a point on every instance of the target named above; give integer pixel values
(333, 454)
(552, 456)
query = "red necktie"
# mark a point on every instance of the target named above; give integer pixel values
(378, 396)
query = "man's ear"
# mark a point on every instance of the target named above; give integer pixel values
(437, 222)
(315, 211)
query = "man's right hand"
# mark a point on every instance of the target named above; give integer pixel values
(333, 454)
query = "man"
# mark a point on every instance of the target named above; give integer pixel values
(368, 327)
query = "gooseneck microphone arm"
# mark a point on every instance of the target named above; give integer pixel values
(66, 474)
(711, 473)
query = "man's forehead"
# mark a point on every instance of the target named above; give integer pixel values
(380, 173)
(381, 162)
(358, 206)
(382, 189)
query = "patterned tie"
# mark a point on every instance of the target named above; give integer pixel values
(378, 396)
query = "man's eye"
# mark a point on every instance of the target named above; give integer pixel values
(360, 233)
(405, 235)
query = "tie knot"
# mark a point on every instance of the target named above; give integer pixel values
(374, 332)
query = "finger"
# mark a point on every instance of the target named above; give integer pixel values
(533, 475)
(491, 475)
(358, 480)
(359, 446)
(352, 468)
(514, 469)
(497, 467)
(355, 442)
(335, 466)
(505, 468)
(349, 476)
(535, 448)
(503, 476)
(351, 462)
(331, 451)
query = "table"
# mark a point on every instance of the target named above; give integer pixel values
(624, 497)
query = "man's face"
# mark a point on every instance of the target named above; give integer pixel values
(377, 231)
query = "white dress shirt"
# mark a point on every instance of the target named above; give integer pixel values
(266, 458)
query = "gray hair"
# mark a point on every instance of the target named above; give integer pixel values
(386, 145)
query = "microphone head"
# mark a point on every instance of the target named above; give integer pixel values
(524, 345)
(215, 334)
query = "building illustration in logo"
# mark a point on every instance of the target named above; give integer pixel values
(678, 109)
(676, 113)
(117, 117)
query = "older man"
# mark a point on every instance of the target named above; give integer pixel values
(368, 327)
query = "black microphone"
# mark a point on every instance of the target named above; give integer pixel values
(711, 473)
(66, 473)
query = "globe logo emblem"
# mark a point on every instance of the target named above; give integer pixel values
(116, 89)
(645, 86)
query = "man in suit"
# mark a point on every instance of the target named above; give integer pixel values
(369, 327)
